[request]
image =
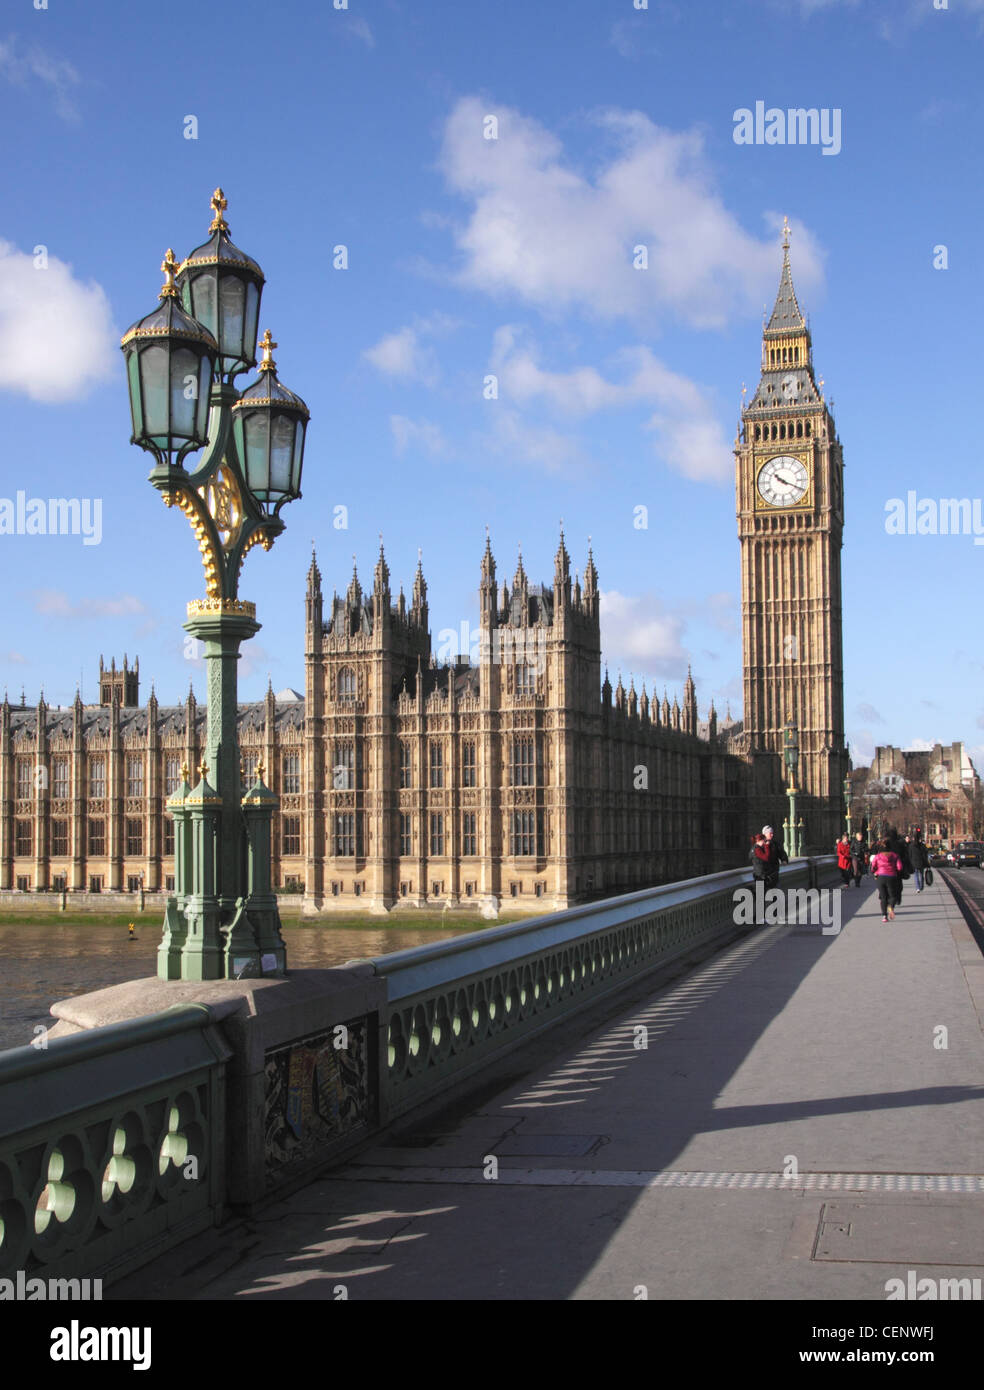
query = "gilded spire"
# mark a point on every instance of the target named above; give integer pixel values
(169, 266)
(267, 363)
(218, 203)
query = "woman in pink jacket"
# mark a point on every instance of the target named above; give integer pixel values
(887, 868)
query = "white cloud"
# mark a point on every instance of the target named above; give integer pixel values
(60, 77)
(421, 435)
(400, 354)
(869, 713)
(519, 441)
(629, 37)
(687, 435)
(55, 603)
(721, 611)
(560, 238)
(361, 30)
(403, 354)
(862, 747)
(57, 339)
(638, 634)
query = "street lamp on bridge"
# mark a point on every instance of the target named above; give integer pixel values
(793, 832)
(182, 360)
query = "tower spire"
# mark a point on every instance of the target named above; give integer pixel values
(787, 316)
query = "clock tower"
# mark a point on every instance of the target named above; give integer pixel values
(790, 503)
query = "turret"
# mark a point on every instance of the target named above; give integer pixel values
(313, 606)
(591, 586)
(690, 705)
(486, 589)
(381, 594)
(418, 611)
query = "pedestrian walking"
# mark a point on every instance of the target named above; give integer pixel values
(886, 866)
(776, 855)
(844, 859)
(859, 857)
(919, 859)
(758, 857)
(896, 845)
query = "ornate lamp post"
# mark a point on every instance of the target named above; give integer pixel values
(791, 755)
(182, 360)
(847, 803)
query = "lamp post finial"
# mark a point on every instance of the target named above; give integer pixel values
(218, 203)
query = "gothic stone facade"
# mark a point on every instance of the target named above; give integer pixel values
(506, 779)
(401, 782)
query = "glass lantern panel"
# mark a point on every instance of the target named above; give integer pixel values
(136, 403)
(281, 455)
(184, 393)
(202, 300)
(204, 391)
(257, 433)
(154, 375)
(252, 320)
(232, 307)
(298, 454)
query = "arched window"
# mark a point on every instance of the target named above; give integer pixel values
(346, 683)
(799, 429)
(808, 430)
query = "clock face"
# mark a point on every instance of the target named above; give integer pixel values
(782, 482)
(789, 385)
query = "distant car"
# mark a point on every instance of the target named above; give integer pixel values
(937, 857)
(969, 853)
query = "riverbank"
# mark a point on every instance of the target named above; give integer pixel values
(151, 920)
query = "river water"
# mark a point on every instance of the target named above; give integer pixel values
(41, 964)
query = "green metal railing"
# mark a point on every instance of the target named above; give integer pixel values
(111, 1143)
(456, 1005)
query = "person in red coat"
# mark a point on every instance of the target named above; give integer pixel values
(844, 859)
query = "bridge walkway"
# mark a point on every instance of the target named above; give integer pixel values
(786, 1120)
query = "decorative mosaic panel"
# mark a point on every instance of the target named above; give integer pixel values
(317, 1091)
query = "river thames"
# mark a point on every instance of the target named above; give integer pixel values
(41, 964)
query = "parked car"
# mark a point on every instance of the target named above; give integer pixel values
(970, 853)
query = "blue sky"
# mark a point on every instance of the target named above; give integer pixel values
(364, 127)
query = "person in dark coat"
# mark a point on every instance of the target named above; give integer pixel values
(777, 855)
(919, 858)
(859, 857)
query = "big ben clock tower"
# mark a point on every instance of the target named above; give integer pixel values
(790, 502)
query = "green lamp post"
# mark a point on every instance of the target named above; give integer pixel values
(791, 755)
(847, 803)
(182, 360)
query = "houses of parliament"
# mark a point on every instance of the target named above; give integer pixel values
(523, 779)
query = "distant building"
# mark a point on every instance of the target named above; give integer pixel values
(937, 789)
